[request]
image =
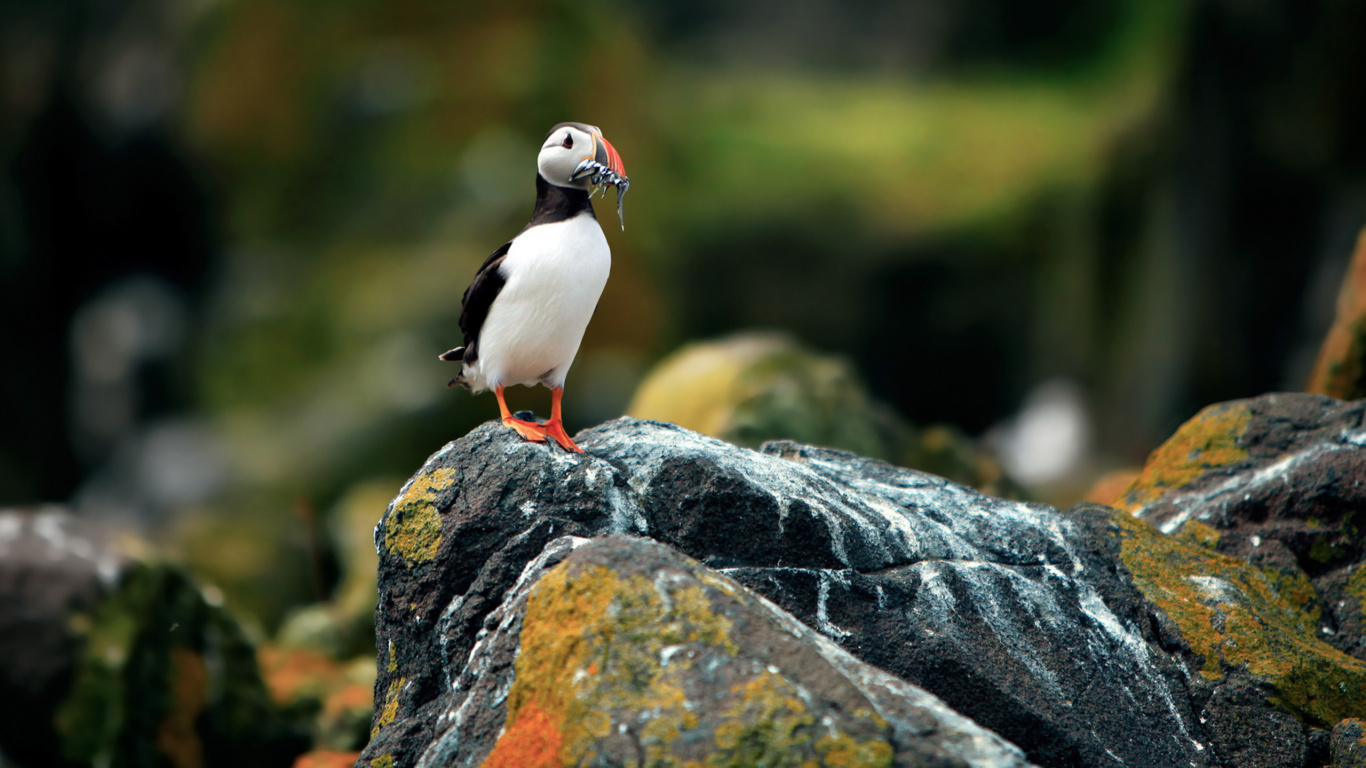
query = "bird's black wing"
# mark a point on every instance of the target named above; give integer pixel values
(488, 281)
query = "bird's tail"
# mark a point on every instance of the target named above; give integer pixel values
(456, 355)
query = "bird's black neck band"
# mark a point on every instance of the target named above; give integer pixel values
(554, 203)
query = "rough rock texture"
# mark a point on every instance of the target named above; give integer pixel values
(1349, 744)
(1262, 571)
(106, 660)
(1341, 367)
(1278, 482)
(628, 651)
(1019, 617)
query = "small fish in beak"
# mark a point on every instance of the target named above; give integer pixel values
(605, 167)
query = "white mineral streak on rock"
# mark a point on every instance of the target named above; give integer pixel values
(822, 600)
(910, 517)
(1217, 589)
(1203, 503)
(958, 736)
(627, 516)
(1139, 653)
(1031, 599)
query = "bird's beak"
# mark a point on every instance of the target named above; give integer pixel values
(607, 155)
(605, 167)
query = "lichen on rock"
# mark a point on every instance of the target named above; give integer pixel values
(1208, 442)
(414, 527)
(626, 650)
(1235, 616)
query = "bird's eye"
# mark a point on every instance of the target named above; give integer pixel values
(568, 141)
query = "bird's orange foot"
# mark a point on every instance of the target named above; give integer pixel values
(529, 430)
(555, 428)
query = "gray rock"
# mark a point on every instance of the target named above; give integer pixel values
(728, 676)
(108, 660)
(1016, 615)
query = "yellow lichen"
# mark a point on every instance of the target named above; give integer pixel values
(1209, 441)
(1234, 615)
(598, 649)
(413, 528)
(1199, 533)
(390, 710)
(385, 760)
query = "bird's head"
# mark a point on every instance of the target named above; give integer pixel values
(577, 156)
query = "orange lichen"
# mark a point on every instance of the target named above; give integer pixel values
(1238, 616)
(533, 741)
(323, 758)
(177, 738)
(1207, 442)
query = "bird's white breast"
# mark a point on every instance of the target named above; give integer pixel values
(554, 275)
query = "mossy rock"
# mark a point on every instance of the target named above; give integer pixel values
(166, 678)
(754, 387)
(1210, 442)
(1273, 481)
(1236, 617)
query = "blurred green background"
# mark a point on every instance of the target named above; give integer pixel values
(234, 233)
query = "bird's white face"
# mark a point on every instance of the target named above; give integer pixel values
(567, 147)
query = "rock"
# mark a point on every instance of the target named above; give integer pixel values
(1340, 370)
(1349, 744)
(1017, 616)
(625, 651)
(1241, 620)
(1278, 482)
(109, 660)
(753, 387)
(49, 575)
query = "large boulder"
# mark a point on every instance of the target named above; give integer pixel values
(1024, 619)
(107, 659)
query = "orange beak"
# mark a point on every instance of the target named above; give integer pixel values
(607, 155)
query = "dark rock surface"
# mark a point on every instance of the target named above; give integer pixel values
(1281, 480)
(1020, 617)
(604, 631)
(108, 660)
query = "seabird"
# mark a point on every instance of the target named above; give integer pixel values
(525, 313)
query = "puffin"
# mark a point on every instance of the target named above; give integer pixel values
(524, 315)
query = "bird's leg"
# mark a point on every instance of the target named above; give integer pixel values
(529, 430)
(555, 427)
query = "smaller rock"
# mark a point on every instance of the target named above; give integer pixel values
(107, 658)
(1349, 744)
(753, 387)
